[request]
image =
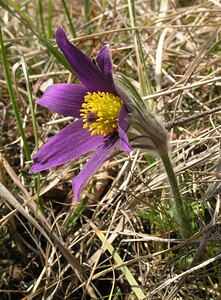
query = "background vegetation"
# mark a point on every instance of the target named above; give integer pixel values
(121, 243)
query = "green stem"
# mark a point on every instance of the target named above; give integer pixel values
(180, 215)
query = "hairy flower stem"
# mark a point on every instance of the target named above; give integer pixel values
(180, 215)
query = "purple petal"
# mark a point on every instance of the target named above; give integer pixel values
(105, 65)
(122, 127)
(95, 162)
(71, 142)
(65, 99)
(89, 74)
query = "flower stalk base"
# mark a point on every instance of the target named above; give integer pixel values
(180, 215)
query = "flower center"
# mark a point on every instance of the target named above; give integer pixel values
(100, 112)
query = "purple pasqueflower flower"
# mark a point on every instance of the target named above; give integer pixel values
(101, 115)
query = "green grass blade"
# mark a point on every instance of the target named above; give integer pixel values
(72, 28)
(21, 12)
(131, 280)
(87, 10)
(58, 55)
(139, 45)
(30, 99)
(50, 32)
(13, 98)
(41, 16)
(73, 217)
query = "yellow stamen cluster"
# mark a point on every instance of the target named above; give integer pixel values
(100, 112)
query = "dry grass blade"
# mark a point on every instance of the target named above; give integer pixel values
(44, 229)
(175, 278)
